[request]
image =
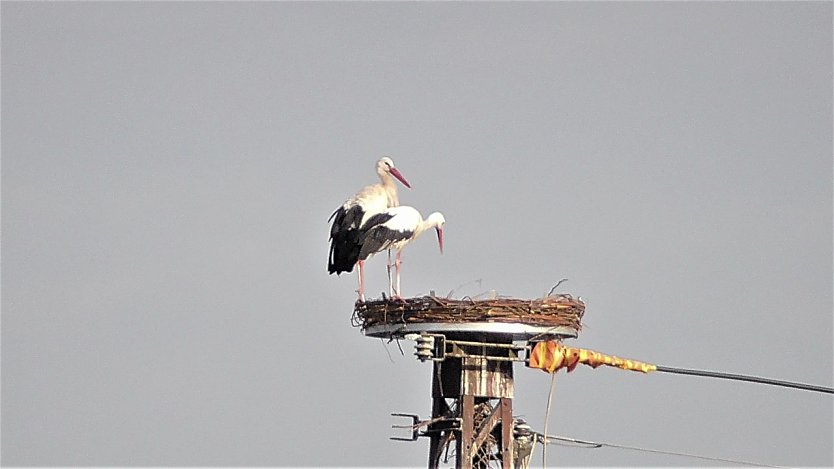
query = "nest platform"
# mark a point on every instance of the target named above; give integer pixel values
(555, 316)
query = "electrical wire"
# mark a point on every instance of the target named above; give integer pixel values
(547, 415)
(551, 356)
(752, 379)
(595, 444)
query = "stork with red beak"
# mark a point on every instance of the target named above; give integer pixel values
(394, 229)
(354, 213)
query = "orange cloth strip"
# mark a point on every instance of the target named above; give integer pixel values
(551, 356)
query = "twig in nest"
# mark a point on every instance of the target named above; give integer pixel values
(354, 319)
(452, 291)
(492, 294)
(556, 286)
(386, 350)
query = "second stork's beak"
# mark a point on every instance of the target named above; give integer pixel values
(440, 238)
(396, 174)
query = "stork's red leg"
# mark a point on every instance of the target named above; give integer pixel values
(390, 279)
(397, 294)
(361, 265)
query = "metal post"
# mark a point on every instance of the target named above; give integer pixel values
(438, 410)
(472, 382)
(507, 453)
(463, 457)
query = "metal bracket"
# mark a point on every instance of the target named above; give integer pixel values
(415, 425)
(436, 425)
(439, 347)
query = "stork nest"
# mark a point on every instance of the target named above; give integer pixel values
(560, 310)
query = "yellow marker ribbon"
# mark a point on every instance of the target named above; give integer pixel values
(552, 356)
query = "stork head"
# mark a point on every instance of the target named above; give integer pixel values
(437, 220)
(385, 165)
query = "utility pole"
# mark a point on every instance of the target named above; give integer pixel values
(472, 357)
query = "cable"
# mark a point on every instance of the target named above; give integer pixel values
(547, 416)
(595, 444)
(737, 377)
(551, 356)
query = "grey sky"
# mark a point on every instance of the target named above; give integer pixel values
(168, 170)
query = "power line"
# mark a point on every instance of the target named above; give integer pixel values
(551, 356)
(595, 444)
(738, 377)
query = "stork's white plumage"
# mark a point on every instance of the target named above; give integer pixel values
(352, 215)
(394, 229)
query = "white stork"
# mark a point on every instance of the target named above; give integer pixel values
(394, 229)
(347, 220)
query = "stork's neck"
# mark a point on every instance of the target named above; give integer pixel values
(430, 222)
(390, 189)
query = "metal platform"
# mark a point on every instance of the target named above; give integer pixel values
(513, 331)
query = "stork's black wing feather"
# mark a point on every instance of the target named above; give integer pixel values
(344, 237)
(375, 220)
(379, 238)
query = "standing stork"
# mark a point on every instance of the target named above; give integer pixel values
(352, 215)
(394, 229)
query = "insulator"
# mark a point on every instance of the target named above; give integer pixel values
(521, 429)
(424, 347)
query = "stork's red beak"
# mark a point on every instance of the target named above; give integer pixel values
(440, 238)
(396, 174)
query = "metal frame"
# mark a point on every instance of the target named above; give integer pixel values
(475, 377)
(472, 380)
(513, 331)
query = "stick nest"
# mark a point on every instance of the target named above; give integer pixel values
(560, 310)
